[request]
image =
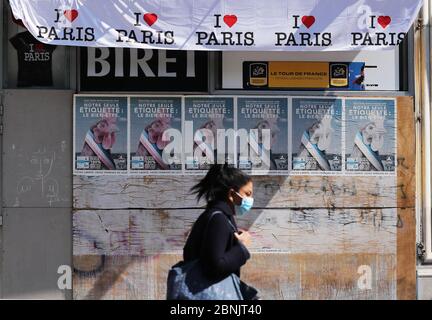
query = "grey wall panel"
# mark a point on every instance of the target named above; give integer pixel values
(35, 243)
(37, 148)
(36, 193)
(424, 288)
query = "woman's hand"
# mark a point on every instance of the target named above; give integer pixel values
(244, 237)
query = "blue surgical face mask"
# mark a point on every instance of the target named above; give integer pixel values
(245, 206)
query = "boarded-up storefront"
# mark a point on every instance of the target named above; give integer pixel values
(333, 218)
(315, 237)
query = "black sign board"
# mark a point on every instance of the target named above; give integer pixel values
(123, 69)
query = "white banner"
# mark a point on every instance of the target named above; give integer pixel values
(241, 25)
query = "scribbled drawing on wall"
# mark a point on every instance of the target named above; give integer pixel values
(39, 178)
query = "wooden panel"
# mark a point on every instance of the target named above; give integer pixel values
(406, 232)
(311, 234)
(406, 255)
(278, 276)
(406, 181)
(117, 192)
(135, 232)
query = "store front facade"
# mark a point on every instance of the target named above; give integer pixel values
(327, 226)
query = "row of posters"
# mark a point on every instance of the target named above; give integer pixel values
(261, 135)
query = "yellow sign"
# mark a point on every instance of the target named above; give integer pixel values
(339, 75)
(310, 75)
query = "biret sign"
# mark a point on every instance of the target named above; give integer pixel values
(121, 69)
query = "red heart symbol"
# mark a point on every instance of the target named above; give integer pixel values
(71, 15)
(39, 47)
(150, 18)
(384, 21)
(308, 21)
(230, 20)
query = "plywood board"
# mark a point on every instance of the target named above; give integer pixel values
(276, 276)
(311, 234)
(133, 232)
(117, 192)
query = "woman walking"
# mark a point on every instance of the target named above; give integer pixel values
(215, 245)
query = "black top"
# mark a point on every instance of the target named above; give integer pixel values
(221, 253)
(34, 60)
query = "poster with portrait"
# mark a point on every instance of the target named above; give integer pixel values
(370, 136)
(155, 134)
(357, 76)
(316, 136)
(208, 132)
(100, 134)
(262, 128)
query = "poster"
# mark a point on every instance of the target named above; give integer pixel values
(370, 136)
(357, 76)
(208, 132)
(263, 135)
(262, 127)
(100, 134)
(150, 119)
(316, 135)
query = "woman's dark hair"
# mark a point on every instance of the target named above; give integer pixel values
(218, 181)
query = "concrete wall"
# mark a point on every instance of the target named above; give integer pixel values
(36, 192)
